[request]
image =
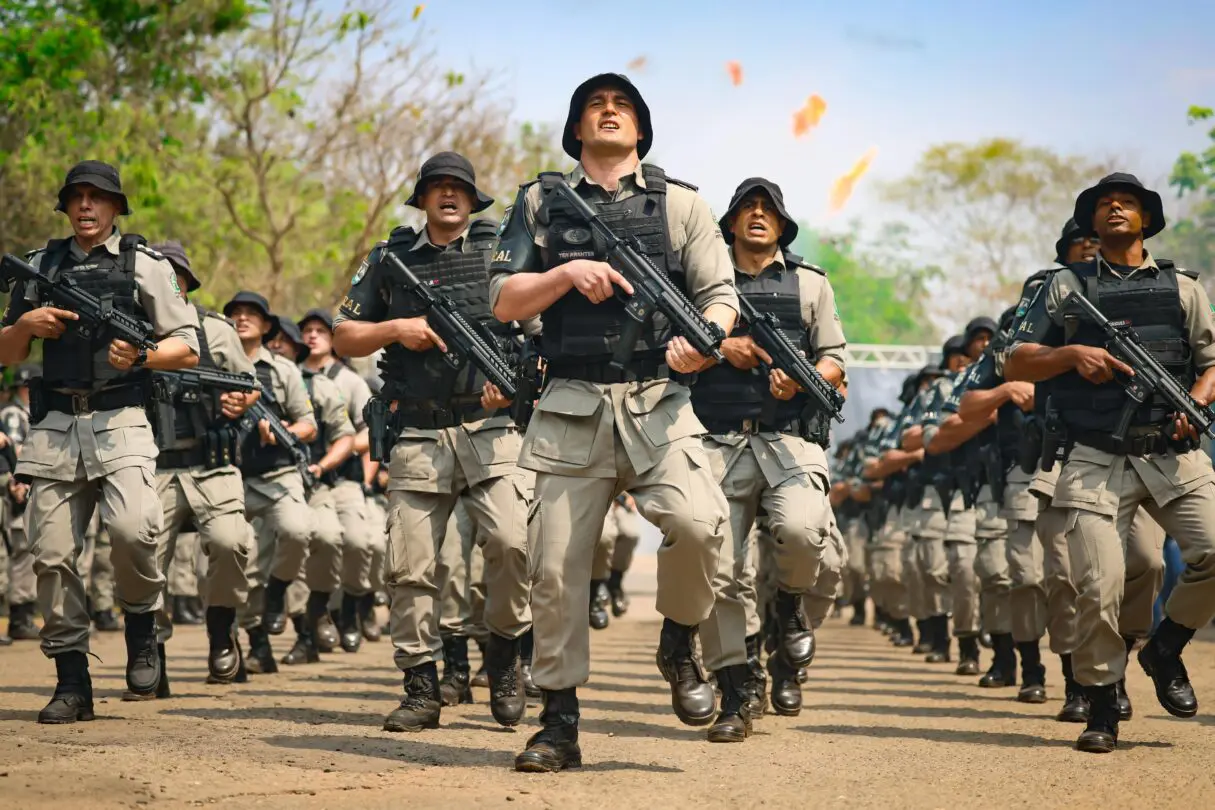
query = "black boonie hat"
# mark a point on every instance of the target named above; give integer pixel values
(927, 373)
(175, 252)
(1086, 203)
(573, 146)
(980, 324)
(1070, 231)
(778, 199)
(97, 174)
(449, 164)
(259, 302)
(292, 332)
(955, 345)
(316, 314)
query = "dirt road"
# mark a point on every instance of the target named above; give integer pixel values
(880, 729)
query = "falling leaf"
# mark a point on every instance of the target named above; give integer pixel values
(637, 64)
(807, 117)
(417, 11)
(841, 190)
(735, 71)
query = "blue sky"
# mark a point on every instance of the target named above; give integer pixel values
(1108, 78)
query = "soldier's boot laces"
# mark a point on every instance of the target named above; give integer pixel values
(692, 696)
(733, 722)
(421, 705)
(143, 658)
(507, 702)
(555, 746)
(73, 698)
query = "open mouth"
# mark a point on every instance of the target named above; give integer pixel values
(609, 126)
(757, 228)
(87, 222)
(448, 206)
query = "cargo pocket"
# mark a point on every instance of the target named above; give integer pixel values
(125, 433)
(564, 425)
(708, 505)
(222, 489)
(663, 411)
(496, 445)
(414, 459)
(47, 442)
(1085, 482)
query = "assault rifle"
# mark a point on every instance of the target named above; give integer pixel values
(766, 331)
(188, 385)
(465, 341)
(1150, 377)
(98, 318)
(283, 437)
(653, 291)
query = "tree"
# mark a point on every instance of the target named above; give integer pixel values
(1190, 240)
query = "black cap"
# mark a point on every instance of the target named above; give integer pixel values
(316, 314)
(257, 301)
(955, 345)
(292, 332)
(573, 146)
(449, 164)
(97, 174)
(1070, 231)
(175, 252)
(1086, 203)
(927, 373)
(979, 324)
(778, 199)
(908, 391)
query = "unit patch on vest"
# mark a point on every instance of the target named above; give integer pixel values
(505, 219)
(176, 285)
(362, 271)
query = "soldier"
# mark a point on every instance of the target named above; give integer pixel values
(182, 579)
(23, 584)
(198, 484)
(91, 445)
(453, 440)
(358, 598)
(274, 488)
(597, 430)
(1104, 480)
(613, 558)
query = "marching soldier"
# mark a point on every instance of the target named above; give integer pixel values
(22, 592)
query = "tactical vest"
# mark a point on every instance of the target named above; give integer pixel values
(257, 459)
(1151, 304)
(74, 361)
(352, 468)
(464, 278)
(727, 394)
(576, 329)
(319, 446)
(192, 418)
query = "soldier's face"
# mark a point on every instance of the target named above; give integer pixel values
(91, 211)
(1082, 249)
(609, 122)
(757, 224)
(957, 362)
(317, 338)
(249, 322)
(977, 344)
(447, 201)
(281, 346)
(1119, 214)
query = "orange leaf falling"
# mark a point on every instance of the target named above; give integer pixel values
(417, 11)
(807, 117)
(637, 64)
(735, 71)
(841, 190)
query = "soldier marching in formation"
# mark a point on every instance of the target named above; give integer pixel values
(608, 352)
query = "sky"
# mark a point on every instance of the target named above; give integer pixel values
(1109, 78)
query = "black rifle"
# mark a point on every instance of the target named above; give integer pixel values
(283, 437)
(1150, 377)
(188, 386)
(766, 331)
(465, 340)
(98, 318)
(653, 291)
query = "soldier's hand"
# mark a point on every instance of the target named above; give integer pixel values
(781, 386)
(683, 359)
(263, 429)
(20, 491)
(491, 397)
(316, 471)
(416, 335)
(123, 355)
(4, 441)
(595, 279)
(233, 404)
(1021, 394)
(47, 323)
(1097, 365)
(744, 353)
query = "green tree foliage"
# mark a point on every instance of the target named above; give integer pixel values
(1190, 239)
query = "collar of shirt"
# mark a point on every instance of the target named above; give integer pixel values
(777, 265)
(264, 355)
(627, 183)
(1148, 264)
(423, 241)
(110, 245)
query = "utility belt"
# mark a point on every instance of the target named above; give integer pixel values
(220, 446)
(384, 424)
(1153, 442)
(639, 369)
(44, 399)
(793, 427)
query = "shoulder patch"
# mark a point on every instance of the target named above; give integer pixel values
(505, 219)
(362, 271)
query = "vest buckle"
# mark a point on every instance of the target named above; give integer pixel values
(80, 403)
(750, 426)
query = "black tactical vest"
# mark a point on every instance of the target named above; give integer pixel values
(727, 394)
(1151, 304)
(352, 468)
(257, 459)
(464, 278)
(574, 328)
(74, 361)
(192, 419)
(318, 447)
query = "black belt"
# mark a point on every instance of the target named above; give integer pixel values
(435, 419)
(723, 426)
(107, 400)
(604, 373)
(181, 459)
(1157, 443)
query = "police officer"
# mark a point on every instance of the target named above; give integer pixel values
(358, 599)
(274, 488)
(453, 441)
(22, 592)
(614, 557)
(595, 433)
(197, 482)
(1103, 480)
(91, 445)
(768, 459)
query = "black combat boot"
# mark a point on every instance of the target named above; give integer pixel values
(21, 625)
(480, 678)
(1075, 701)
(304, 650)
(1125, 710)
(506, 699)
(599, 604)
(691, 694)
(880, 621)
(938, 637)
(1160, 658)
(1101, 735)
(143, 659)
(453, 687)
(1033, 674)
(104, 620)
(371, 627)
(275, 617)
(349, 628)
(327, 640)
(73, 698)
(786, 691)
(620, 600)
(770, 630)
(555, 746)
(527, 650)
(968, 656)
(261, 656)
(924, 629)
(755, 688)
(183, 611)
(903, 636)
(421, 705)
(224, 657)
(1003, 671)
(858, 613)
(796, 637)
(162, 688)
(733, 723)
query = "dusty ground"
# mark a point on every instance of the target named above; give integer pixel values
(880, 728)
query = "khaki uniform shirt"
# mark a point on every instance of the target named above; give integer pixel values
(288, 387)
(102, 442)
(354, 390)
(335, 415)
